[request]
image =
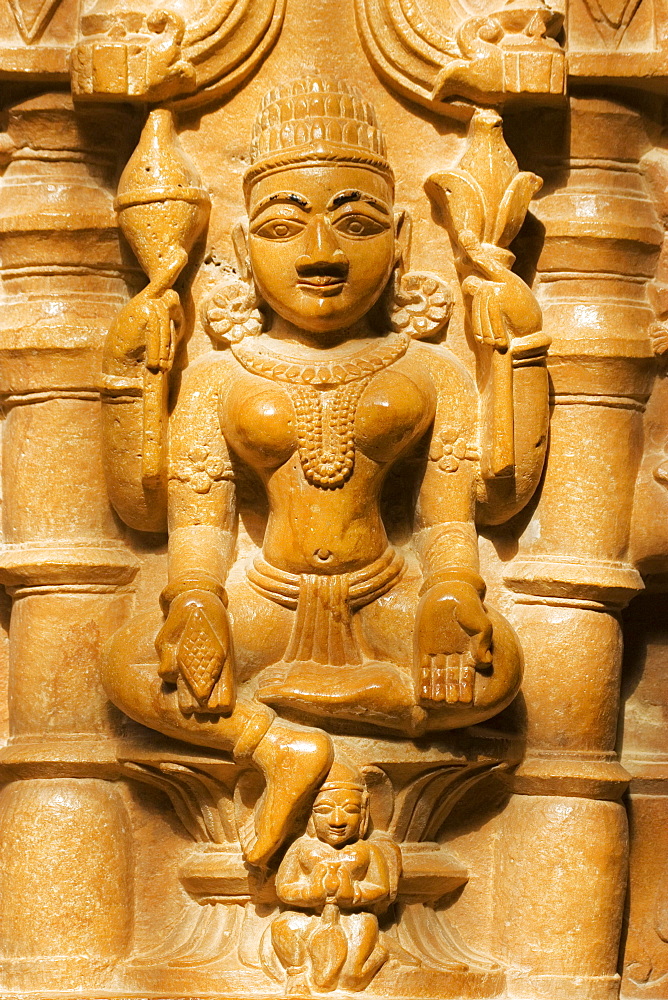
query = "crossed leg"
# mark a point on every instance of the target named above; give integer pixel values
(293, 759)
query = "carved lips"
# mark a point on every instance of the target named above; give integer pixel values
(322, 280)
(323, 285)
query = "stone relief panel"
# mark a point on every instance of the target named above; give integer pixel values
(324, 359)
(328, 372)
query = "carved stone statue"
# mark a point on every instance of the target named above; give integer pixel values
(326, 386)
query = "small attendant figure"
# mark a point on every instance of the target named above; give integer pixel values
(334, 882)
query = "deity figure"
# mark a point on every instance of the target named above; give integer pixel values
(320, 390)
(334, 882)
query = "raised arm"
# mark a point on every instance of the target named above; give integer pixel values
(452, 630)
(507, 323)
(140, 347)
(131, 395)
(484, 203)
(195, 644)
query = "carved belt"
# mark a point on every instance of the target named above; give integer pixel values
(322, 629)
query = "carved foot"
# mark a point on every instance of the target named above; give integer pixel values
(376, 692)
(293, 761)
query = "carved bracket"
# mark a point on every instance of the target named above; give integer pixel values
(413, 815)
(131, 54)
(208, 800)
(506, 54)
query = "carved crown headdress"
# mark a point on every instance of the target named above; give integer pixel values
(315, 120)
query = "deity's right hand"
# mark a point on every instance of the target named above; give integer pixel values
(145, 332)
(196, 653)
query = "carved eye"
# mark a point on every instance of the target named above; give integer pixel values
(279, 229)
(359, 226)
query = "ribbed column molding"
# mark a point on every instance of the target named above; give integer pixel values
(572, 575)
(64, 559)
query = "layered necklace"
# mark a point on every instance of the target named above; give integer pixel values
(326, 434)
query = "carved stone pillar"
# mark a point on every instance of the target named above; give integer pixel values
(572, 574)
(63, 559)
(642, 731)
(645, 755)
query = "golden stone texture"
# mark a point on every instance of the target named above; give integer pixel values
(333, 345)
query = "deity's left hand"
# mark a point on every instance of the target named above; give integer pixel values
(503, 306)
(453, 637)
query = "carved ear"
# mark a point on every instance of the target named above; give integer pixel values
(366, 815)
(240, 243)
(403, 228)
(380, 796)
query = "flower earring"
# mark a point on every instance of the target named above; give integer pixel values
(234, 309)
(232, 312)
(419, 303)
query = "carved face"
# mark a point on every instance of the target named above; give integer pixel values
(322, 243)
(337, 816)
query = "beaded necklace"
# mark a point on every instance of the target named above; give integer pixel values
(326, 435)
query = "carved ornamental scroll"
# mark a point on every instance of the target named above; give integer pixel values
(151, 55)
(490, 56)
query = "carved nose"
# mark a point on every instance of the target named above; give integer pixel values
(322, 253)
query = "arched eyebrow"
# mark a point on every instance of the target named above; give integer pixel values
(343, 197)
(283, 198)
